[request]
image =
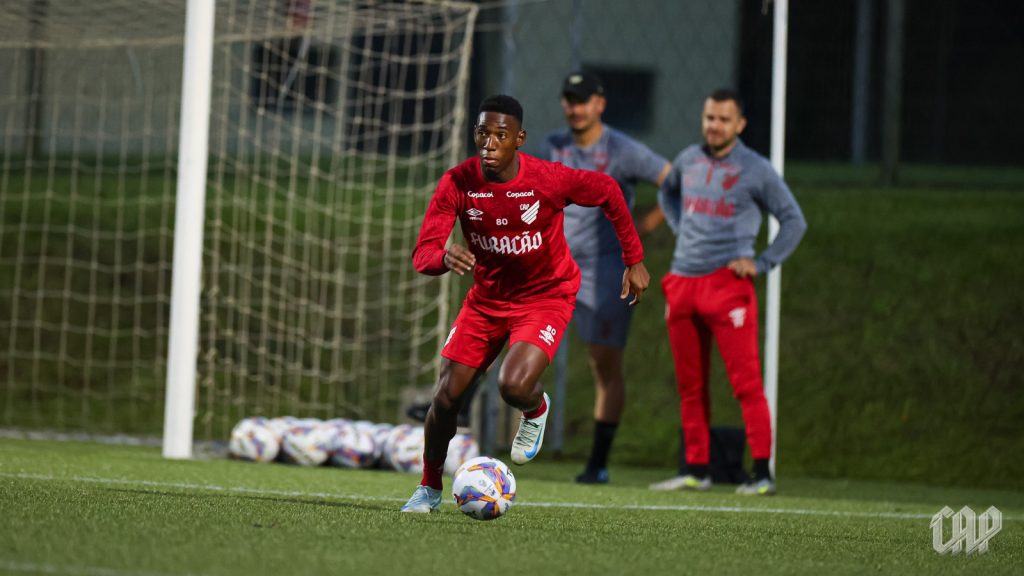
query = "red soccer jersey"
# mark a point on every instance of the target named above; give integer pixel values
(515, 228)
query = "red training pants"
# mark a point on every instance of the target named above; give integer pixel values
(722, 305)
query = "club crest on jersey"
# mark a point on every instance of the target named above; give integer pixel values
(530, 212)
(475, 213)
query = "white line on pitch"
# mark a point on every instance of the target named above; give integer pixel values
(579, 505)
(76, 569)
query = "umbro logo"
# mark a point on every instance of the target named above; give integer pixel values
(548, 335)
(475, 213)
(530, 212)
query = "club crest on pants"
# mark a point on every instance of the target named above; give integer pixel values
(738, 317)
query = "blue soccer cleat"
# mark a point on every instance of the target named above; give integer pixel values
(424, 500)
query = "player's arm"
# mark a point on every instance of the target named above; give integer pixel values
(430, 255)
(655, 216)
(596, 189)
(670, 196)
(778, 201)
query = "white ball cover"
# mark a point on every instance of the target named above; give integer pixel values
(405, 449)
(381, 431)
(254, 439)
(388, 437)
(462, 448)
(307, 443)
(281, 424)
(378, 432)
(353, 446)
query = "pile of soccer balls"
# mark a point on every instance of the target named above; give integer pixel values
(483, 488)
(339, 442)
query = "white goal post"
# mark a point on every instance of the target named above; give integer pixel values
(773, 290)
(188, 232)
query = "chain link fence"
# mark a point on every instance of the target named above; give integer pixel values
(657, 60)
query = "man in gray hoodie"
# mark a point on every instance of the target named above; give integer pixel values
(714, 200)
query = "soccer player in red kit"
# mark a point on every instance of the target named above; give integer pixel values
(525, 281)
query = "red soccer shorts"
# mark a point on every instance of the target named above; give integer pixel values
(482, 327)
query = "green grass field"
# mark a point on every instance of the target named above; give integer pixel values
(900, 356)
(74, 508)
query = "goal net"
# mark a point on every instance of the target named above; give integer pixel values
(330, 123)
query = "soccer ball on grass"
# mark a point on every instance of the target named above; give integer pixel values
(484, 488)
(254, 439)
(461, 449)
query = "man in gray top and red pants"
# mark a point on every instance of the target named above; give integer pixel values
(714, 199)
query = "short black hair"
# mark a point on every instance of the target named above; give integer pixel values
(503, 104)
(726, 94)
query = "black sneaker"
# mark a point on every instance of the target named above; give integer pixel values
(589, 476)
(418, 412)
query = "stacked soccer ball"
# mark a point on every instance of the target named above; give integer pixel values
(340, 442)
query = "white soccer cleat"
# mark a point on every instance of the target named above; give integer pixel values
(530, 437)
(762, 487)
(424, 500)
(689, 482)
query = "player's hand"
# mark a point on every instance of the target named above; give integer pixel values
(743, 267)
(634, 281)
(459, 259)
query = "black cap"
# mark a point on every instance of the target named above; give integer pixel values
(582, 85)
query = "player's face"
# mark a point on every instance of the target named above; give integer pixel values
(721, 124)
(582, 115)
(497, 137)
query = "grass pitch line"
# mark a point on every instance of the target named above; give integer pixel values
(33, 568)
(577, 505)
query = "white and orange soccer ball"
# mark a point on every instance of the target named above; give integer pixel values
(405, 449)
(484, 488)
(307, 443)
(254, 439)
(352, 446)
(461, 449)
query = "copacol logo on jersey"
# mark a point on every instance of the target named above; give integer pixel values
(969, 532)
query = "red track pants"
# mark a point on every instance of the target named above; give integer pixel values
(724, 306)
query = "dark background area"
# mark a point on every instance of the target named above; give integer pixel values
(963, 66)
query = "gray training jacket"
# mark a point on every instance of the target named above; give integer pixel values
(715, 207)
